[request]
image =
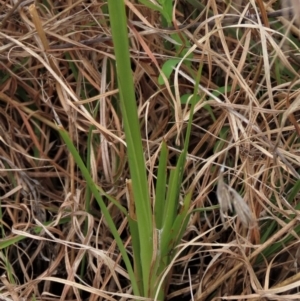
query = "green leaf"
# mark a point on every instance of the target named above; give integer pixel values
(172, 203)
(134, 231)
(272, 227)
(167, 10)
(167, 69)
(161, 185)
(152, 6)
(136, 160)
(180, 222)
(6, 242)
(94, 189)
(220, 142)
(189, 98)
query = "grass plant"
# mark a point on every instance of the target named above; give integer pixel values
(149, 150)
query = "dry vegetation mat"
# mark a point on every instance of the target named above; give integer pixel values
(149, 150)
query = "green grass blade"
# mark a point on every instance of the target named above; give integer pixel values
(94, 190)
(152, 5)
(272, 227)
(295, 190)
(179, 226)
(171, 206)
(88, 195)
(161, 183)
(134, 231)
(181, 221)
(136, 159)
(8, 241)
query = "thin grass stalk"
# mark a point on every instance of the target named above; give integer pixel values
(9, 241)
(153, 6)
(118, 23)
(88, 195)
(94, 189)
(174, 222)
(160, 189)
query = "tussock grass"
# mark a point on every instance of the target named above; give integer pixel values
(57, 67)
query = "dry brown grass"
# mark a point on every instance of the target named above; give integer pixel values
(56, 64)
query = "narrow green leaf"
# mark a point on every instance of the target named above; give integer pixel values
(6, 242)
(152, 6)
(182, 218)
(220, 142)
(180, 223)
(295, 190)
(172, 202)
(136, 161)
(94, 190)
(134, 231)
(161, 185)
(272, 227)
(168, 10)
